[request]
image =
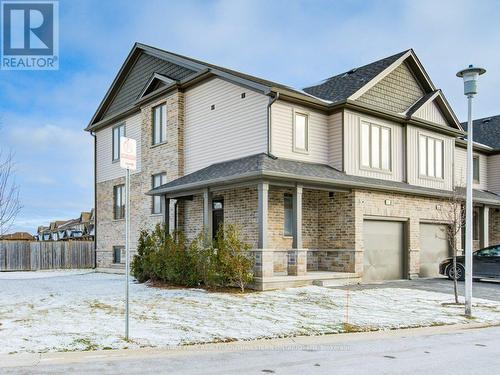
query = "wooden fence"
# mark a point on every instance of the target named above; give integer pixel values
(30, 256)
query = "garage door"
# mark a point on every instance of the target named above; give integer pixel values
(433, 248)
(384, 250)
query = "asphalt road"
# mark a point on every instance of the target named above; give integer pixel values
(488, 289)
(438, 350)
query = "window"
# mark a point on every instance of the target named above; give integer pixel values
(119, 201)
(288, 205)
(300, 132)
(117, 254)
(475, 225)
(158, 201)
(118, 131)
(159, 124)
(475, 168)
(375, 146)
(430, 157)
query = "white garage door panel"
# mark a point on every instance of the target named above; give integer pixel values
(384, 250)
(433, 248)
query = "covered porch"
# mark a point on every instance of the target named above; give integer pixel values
(300, 234)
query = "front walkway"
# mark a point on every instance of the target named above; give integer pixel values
(85, 312)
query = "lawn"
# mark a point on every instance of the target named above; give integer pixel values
(80, 310)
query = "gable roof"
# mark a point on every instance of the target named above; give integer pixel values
(486, 131)
(340, 87)
(438, 97)
(265, 166)
(130, 89)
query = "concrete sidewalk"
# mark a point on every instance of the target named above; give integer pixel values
(241, 355)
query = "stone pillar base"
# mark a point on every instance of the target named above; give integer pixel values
(297, 262)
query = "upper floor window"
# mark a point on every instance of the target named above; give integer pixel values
(288, 217)
(430, 156)
(475, 168)
(300, 132)
(118, 131)
(119, 201)
(159, 124)
(158, 203)
(375, 146)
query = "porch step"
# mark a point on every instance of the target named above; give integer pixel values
(113, 269)
(318, 278)
(347, 279)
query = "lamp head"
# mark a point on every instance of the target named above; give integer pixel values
(470, 76)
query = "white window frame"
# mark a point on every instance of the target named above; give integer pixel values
(370, 165)
(156, 198)
(430, 173)
(115, 143)
(306, 135)
(163, 132)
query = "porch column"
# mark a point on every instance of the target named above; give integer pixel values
(166, 213)
(207, 214)
(263, 195)
(297, 218)
(484, 225)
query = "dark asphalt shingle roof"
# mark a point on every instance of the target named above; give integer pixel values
(266, 165)
(342, 86)
(486, 131)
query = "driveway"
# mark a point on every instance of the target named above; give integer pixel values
(487, 289)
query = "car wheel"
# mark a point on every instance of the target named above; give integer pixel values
(460, 272)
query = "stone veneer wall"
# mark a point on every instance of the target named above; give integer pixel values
(166, 157)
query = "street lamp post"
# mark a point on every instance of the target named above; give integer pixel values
(470, 76)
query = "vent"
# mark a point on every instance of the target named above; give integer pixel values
(350, 72)
(486, 120)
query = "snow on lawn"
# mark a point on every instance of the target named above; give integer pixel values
(85, 312)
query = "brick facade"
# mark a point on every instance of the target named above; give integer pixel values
(166, 157)
(494, 226)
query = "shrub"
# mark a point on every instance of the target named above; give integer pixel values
(168, 258)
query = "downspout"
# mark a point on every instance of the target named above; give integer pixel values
(95, 198)
(272, 99)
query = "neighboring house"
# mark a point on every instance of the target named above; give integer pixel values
(349, 178)
(17, 236)
(80, 228)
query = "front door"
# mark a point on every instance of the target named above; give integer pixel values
(217, 215)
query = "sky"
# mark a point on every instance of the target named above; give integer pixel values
(298, 43)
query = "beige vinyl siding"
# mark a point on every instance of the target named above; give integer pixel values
(106, 169)
(335, 148)
(431, 112)
(414, 178)
(282, 133)
(352, 144)
(235, 128)
(493, 167)
(396, 92)
(461, 169)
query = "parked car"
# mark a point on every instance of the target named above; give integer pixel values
(486, 264)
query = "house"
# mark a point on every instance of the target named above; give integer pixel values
(17, 236)
(345, 179)
(80, 228)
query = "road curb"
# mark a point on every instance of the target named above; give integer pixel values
(333, 341)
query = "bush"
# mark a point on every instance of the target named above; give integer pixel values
(168, 258)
